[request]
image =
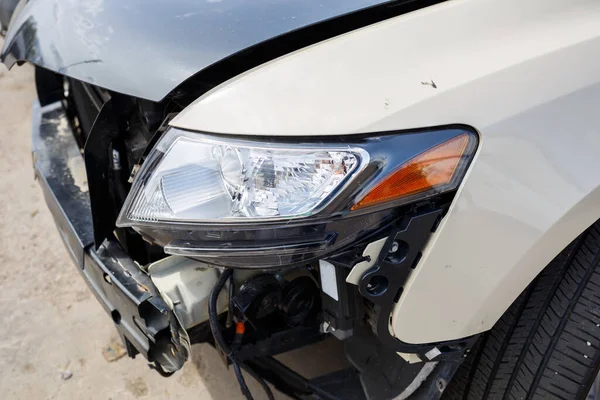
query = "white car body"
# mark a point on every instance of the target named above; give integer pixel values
(524, 74)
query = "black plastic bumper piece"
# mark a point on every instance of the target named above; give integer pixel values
(143, 319)
(60, 169)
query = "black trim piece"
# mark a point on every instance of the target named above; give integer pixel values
(84, 106)
(61, 172)
(381, 284)
(92, 93)
(97, 162)
(49, 86)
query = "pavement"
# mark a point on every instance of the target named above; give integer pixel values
(53, 330)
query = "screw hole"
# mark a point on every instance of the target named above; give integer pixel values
(377, 285)
(441, 385)
(116, 316)
(397, 252)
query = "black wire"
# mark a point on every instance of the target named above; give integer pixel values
(218, 335)
(260, 380)
(212, 312)
(222, 344)
(241, 380)
(229, 320)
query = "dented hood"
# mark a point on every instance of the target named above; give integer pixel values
(146, 48)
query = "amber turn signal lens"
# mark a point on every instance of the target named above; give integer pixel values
(432, 168)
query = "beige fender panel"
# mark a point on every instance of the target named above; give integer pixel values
(524, 74)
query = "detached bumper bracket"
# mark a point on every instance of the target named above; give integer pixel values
(144, 321)
(141, 316)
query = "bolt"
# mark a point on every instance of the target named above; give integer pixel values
(395, 247)
(441, 384)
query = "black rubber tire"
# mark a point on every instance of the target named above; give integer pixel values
(547, 344)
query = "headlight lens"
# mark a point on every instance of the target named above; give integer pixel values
(191, 177)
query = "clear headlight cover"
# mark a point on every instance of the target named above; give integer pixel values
(192, 177)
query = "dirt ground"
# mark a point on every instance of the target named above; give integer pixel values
(52, 326)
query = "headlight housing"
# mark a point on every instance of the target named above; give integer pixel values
(251, 202)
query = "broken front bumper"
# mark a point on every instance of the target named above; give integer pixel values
(144, 321)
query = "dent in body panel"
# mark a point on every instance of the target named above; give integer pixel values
(146, 49)
(524, 74)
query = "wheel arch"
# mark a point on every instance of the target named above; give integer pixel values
(567, 228)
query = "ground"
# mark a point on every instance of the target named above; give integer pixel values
(53, 330)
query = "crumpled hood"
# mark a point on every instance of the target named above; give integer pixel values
(146, 48)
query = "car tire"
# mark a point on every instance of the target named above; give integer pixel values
(547, 344)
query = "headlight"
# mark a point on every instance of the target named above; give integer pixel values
(251, 202)
(192, 177)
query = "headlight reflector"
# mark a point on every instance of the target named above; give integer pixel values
(191, 177)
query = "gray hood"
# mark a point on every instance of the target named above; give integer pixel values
(146, 48)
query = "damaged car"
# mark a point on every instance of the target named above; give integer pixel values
(417, 179)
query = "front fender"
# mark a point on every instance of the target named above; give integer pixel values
(524, 74)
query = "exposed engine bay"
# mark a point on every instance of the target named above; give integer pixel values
(253, 291)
